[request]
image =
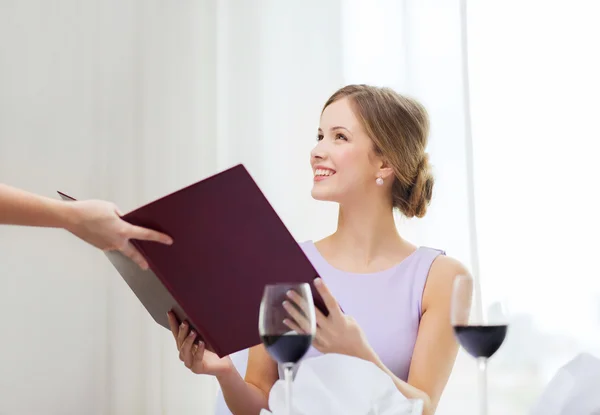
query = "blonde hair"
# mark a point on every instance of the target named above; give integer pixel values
(399, 129)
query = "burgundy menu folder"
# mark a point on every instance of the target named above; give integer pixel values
(228, 244)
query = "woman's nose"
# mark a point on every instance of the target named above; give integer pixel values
(318, 152)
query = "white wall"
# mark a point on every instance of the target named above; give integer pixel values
(128, 100)
(107, 99)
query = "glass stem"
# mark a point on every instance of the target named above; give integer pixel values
(483, 400)
(288, 372)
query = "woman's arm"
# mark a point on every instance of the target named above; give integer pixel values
(436, 348)
(248, 396)
(243, 397)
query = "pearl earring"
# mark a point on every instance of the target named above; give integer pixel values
(379, 181)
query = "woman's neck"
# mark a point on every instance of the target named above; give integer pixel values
(366, 234)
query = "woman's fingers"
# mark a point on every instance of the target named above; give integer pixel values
(321, 319)
(173, 324)
(328, 298)
(198, 355)
(183, 332)
(189, 353)
(298, 318)
(299, 300)
(293, 326)
(185, 354)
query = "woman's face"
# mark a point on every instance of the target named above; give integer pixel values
(343, 161)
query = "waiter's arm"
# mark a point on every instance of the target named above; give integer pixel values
(95, 221)
(18, 207)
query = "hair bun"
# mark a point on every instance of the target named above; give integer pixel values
(418, 195)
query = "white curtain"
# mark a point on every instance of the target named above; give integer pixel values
(535, 89)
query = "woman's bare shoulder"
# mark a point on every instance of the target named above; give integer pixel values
(438, 288)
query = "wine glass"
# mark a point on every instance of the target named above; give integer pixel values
(286, 345)
(480, 324)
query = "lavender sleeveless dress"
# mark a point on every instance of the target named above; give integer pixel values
(386, 305)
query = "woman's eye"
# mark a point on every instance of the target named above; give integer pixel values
(319, 137)
(340, 137)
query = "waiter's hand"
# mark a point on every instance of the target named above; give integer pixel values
(98, 223)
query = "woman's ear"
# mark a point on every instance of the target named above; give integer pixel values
(385, 170)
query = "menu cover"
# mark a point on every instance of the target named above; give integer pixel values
(228, 244)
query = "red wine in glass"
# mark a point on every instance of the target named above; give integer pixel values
(288, 348)
(480, 325)
(285, 345)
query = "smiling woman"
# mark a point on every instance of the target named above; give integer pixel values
(388, 127)
(369, 158)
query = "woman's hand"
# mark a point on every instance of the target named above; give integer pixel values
(195, 357)
(336, 333)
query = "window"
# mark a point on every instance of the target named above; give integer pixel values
(535, 88)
